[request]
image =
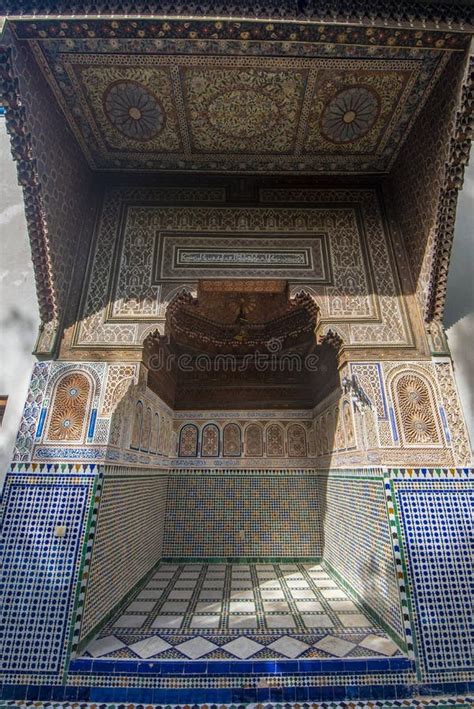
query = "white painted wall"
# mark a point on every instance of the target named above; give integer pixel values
(19, 317)
(459, 312)
(19, 310)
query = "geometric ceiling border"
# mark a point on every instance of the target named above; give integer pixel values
(56, 57)
(412, 14)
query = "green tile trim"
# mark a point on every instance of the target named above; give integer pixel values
(373, 615)
(80, 574)
(139, 476)
(123, 601)
(406, 580)
(240, 559)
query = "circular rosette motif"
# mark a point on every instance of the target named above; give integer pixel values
(242, 113)
(350, 115)
(133, 110)
(73, 392)
(69, 408)
(67, 425)
(420, 428)
(413, 394)
(416, 409)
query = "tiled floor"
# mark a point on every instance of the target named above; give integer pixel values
(222, 611)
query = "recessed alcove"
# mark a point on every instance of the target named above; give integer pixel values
(242, 344)
(206, 196)
(245, 563)
(260, 565)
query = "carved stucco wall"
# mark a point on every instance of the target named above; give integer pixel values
(352, 273)
(19, 318)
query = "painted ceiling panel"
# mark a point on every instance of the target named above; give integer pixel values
(220, 105)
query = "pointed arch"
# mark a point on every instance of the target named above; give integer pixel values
(155, 434)
(324, 434)
(136, 436)
(348, 421)
(317, 437)
(146, 431)
(339, 438)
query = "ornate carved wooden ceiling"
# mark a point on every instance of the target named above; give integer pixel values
(246, 319)
(241, 344)
(221, 96)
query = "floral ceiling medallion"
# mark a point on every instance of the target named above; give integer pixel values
(350, 115)
(243, 113)
(133, 110)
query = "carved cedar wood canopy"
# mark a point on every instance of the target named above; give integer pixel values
(330, 88)
(241, 344)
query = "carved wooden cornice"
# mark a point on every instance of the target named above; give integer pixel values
(28, 179)
(460, 145)
(189, 323)
(402, 13)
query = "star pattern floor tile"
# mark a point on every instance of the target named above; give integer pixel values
(236, 611)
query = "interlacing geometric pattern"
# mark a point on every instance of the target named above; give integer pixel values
(232, 439)
(70, 407)
(119, 378)
(455, 420)
(296, 441)
(275, 440)
(253, 440)
(188, 441)
(417, 420)
(210, 440)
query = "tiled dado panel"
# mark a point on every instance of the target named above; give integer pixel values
(434, 509)
(128, 540)
(40, 570)
(242, 515)
(357, 541)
